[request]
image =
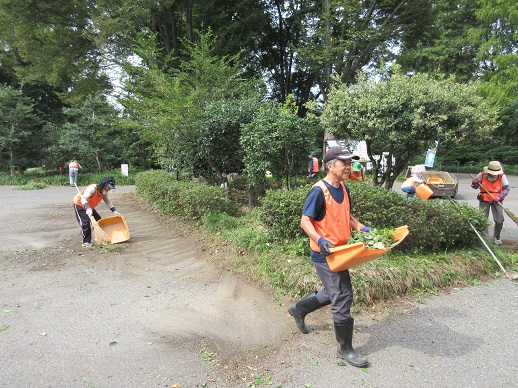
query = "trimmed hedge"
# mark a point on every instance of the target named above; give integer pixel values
(435, 225)
(186, 199)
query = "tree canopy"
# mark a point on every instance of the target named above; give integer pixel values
(400, 117)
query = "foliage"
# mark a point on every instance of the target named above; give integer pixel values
(435, 225)
(175, 108)
(277, 140)
(32, 185)
(375, 239)
(341, 38)
(403, 116)
(17, 121)
(185, 199)
(55, 42)
(52, 178)
(218, 144)
(497, 34)
(280, 211)
(85, 136)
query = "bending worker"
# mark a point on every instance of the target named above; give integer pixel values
(85, 203)
(327, 220)
(494, 186)
(410, 184)
(73, 171)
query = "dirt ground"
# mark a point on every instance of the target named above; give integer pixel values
(150, 309)
(156, 311)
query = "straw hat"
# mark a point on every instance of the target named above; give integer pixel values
(493, 168)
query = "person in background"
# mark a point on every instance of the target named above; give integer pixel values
(327, 220)
(85, 203)
(73, 171)
(357, 172)
(313, 166)
(410, 184)
(494, 187)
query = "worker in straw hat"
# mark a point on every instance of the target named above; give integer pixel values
(327, 220)
(494, 187)
(85, 203)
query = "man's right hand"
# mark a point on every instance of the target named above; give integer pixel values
(89, 212)
(324, 246)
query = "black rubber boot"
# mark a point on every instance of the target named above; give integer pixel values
(302, 308)
(344, 336)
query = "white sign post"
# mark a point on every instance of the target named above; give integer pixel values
(124, 169)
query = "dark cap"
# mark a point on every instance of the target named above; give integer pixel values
(107, 181)
(338, 152)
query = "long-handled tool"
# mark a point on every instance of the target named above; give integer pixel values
(100, 235)
(511, 215)
(512, 276)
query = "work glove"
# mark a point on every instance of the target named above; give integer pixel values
(475, 184)
(117, 213)
(497, 198)
(366, 229)
(89, 212)
(324, 246)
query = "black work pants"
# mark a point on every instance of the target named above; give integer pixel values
(84, 222)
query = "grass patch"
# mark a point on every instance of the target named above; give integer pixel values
(267, 247)
(32, 185)
(284, 266)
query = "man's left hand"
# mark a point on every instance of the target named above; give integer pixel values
(497, 199)
(367, 229)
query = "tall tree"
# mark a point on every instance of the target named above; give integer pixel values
(17, 119)
(54, 41)
(89, 135)
(497, 34)
(173, 106)
(401, 117)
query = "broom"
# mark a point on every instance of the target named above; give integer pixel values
(100, 235)
(511, 215)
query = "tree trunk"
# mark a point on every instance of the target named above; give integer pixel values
(11, 160)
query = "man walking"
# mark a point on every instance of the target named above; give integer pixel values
(327, 220)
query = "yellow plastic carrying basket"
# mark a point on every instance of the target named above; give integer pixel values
(423, 191)
(116, 228)
(435, 181)
(348, 256)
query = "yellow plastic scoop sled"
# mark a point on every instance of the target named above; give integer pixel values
(350, 255)
(115, 228)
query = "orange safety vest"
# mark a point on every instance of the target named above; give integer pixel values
(336, 224)
(356, 176)
(409, 182)
(73, 165)
(92, 201)
(315, 165)
(495, 188)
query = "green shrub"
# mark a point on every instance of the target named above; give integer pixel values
(280, 210)
(185, 199)
(62, 179)
(435, 225)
